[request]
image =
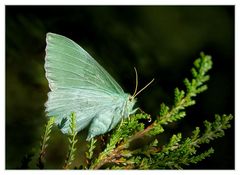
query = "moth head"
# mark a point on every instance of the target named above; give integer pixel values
(130, 104)
(131, 99)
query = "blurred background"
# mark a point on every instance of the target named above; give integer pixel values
(160, 41)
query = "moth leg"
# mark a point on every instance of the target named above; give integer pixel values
(120, 124)
(142, 111)
(133, 111)
(128, 117)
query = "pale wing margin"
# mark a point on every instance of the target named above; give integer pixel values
(67, 65)
(84, 102)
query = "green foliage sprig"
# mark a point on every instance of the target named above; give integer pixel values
(89, 154)
(178, 153)
(44, 143)
(184, 99)
(72, 141)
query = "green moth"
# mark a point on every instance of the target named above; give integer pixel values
(79, 84)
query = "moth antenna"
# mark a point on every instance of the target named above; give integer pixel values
(136, 75)
(143, 88)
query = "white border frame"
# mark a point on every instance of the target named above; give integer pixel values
(117, 2)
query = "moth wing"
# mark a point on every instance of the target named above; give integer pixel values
(69, 66)
(87, 104)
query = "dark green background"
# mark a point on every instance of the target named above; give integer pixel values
(160, 41)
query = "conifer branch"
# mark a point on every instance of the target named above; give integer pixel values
(44, 143)
(89, 155)
(179, 153)
(72, 141)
